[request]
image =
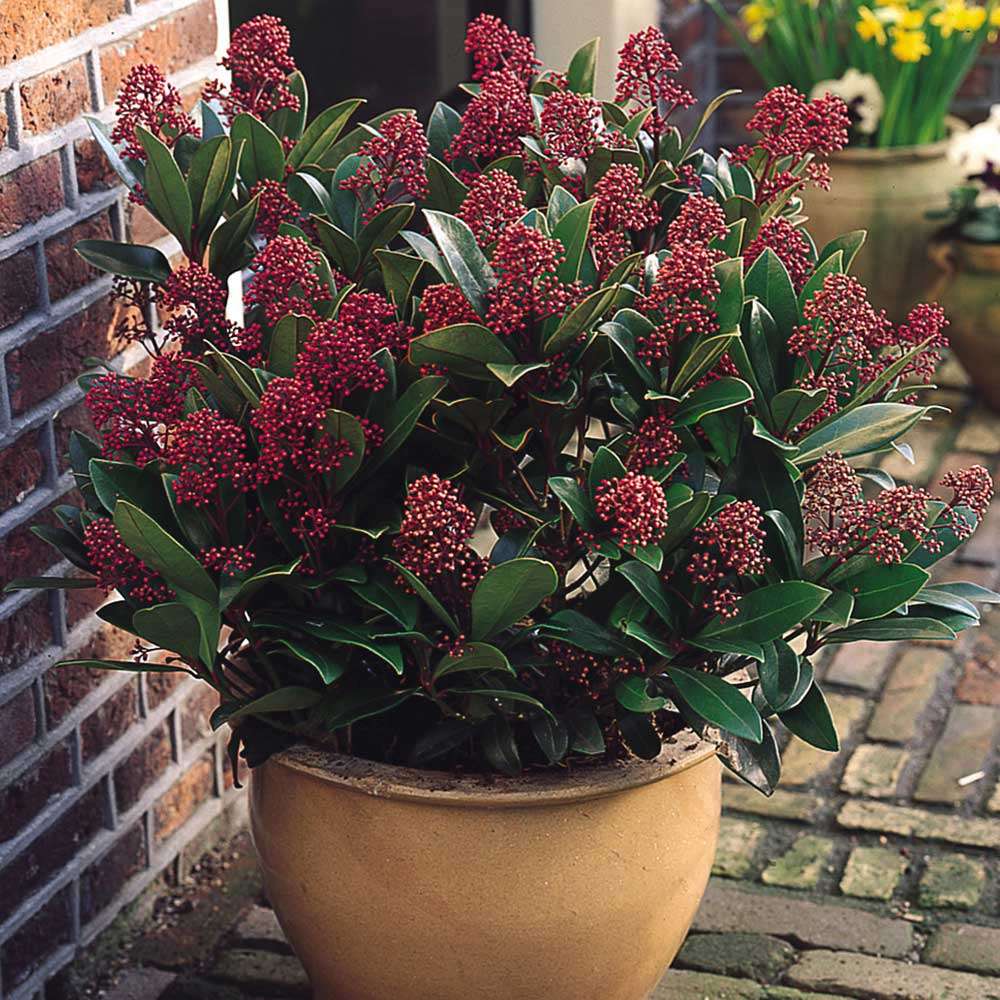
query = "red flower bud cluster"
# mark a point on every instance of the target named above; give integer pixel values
(619, 206)
(596, 675)
(260, 62)
(495, 200)
(635, 508)
(286, 278)
(147, 100)
(445, 305)
(788, 245)
(132, 412)
(117, 568)
(433, 539)
(972, 488)
(731, 543)
(571, 126)
(494, 121)
(393, 165)
(653, 444)
(646, 67)
(700, 220)
(495, 46)
(208, 450)
(195, 301)
(231, 560)
(274, 206)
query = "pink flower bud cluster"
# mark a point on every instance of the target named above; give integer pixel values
(571, 126)
(495, 46)
(494, 121)
(195, 300)
(494, 201)
(286, 278)
(789, 246)
(117, 568)
(445, 305)
(147, 100)
(208, 450)
(647, 65)
(620, 208)
(634, 507)
(595, 675)
(274, 206)
(653, 444)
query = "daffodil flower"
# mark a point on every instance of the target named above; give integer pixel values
(909, 46)
(870, 26)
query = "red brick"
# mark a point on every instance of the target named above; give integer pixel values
(93, 172)
(142, 767)
(55, 358)
(3, 119)
(978, 83)
(24, 634)
(195, 713)
(17, 725)
(76, 418)
(67, 270)
(172, 44)
(980, 680)
(178, 805)
(159, 687)
(18, 286)
(25, 797)
(51, 850)
(26, 950)
(142, 227)
(101, 881)
(55, 98)
(30, 192)
(24, 554)
(65, 687)
(30, 25)
(110, 722)
(21, 470)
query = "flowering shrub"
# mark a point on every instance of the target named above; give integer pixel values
(897, 64)
(545, 434)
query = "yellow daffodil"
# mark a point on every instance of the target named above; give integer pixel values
(958, 16)
(910, 20)
(755, 17)
(870, 27)
(909, 46)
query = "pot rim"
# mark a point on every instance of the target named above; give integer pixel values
(866, 156)
(543, 788)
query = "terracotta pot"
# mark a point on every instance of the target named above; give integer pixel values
(969, 291)
(398, 884)
(887, 192)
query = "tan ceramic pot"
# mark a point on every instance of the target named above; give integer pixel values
(887, 192)
(397, 884)
(969, 291)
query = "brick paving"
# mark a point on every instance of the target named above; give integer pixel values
(871, 873)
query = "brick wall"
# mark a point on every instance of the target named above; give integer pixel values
(717, 64)
(104, 778)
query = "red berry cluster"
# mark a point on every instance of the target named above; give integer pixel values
(260, 61)
(595, 675)
(494, 121)
(789, 246)
(117, 568)
(274, 206)
(147, 100)
(653, 444)
(647, 65)
(195, 300)
(393, 165)
(619, 207)
(495, 46)
(286, 278)
(972, 488)
(571, 126)
(230, 560)
(494, 201)
(445, 305)
(208, 450)
(634, 507)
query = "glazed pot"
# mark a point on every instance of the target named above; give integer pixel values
(396, 883)
(887, 192)
(969, 291)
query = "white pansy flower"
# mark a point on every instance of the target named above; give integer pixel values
(862, 95)
(977, 151)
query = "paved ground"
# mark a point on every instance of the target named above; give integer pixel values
(872, 873)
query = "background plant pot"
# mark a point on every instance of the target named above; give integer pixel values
(969, 291)
(887, 192)
(420, 885)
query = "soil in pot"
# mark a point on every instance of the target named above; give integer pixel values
(419, 885)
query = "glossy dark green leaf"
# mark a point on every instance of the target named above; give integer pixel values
(779, 674)
(475, 656)
(458, 246)
(551, 735)
(287, 339)
(649, 586)
(791, 406)
(210, 181)
(890, 629)
(768, 280)
(847, 244)
(445, 192)
(576, 501)
(572, 231)
(721, 394)
(263, 158)
(322, 132)
(129, 260)
(499, 746)
(766, 613)
(383, 229)
(403, 417)
(632, 693)
(860, 431)
(465, 349)
(444, 124)
(718, 702)
(578, 630)
(811, 721)
(758, 764)
(328, 667)
(228, 248)
(508, 592)
(344, 709)
(291, 122)
(164, 187)
(339, 425)
(171, 626)
(581, 317)
(423, 592)
(583, 67)
(705, 354)
(284, 699)
(585, 731)
(639, 734)
(883, 589)
(447, 735)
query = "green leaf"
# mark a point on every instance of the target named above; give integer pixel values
(649, 586)
(325, 665)
(227, 247)
(684, 519)
(703, 356)
(576, 501)
(403, 418)
(768, 280)
(472, 271)
(163, 553)
(725, 644)
(339, 710)
(383, 229)
(718, 702)
(322, 132)
(124, 169)
(130, 260)
(605, 465)
(722, 394)
(837, 609)
(862, 430)
(583, 67)
(847, 244)
(730, 300)
(445, 736)
(958, 596)
(758, 764)
(342, 426)
(560, 203)
(639, 734)
(340, 248)
(792, 406)
(579, 318)
(465, 349)
(50, 583)
(284, 699)
(578, 630)
(171, 626)
(291, 122)
(811, 721)
(572, 231)
(343, 632)
(382, 593)
(263, 158)
(890, 629)
(632, 693)
(511, 374)
(764, 614)
(500, 747)
(508, 592)
(445, 192)
(476, 656)
(883, 589)
(585, 731)
(444, 124)
(423, 592)
(164, 187)
(551, 735)
(210, 181)
(779, 674)
(399, 274)
(289, 335)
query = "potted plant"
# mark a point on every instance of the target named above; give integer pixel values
(967, 249)
(898, 66)
(535, 479)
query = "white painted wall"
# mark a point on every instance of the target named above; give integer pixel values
(560, 27)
